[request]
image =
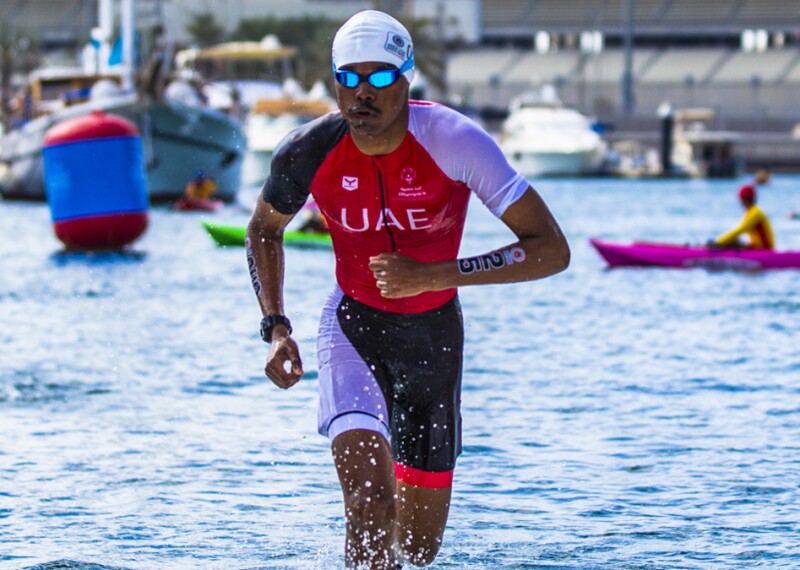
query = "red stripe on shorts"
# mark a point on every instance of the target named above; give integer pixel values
(420, 478)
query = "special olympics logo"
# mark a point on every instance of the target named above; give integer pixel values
(408, 175)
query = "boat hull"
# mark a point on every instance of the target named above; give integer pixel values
(177, 141)
(533, 163)
(645, 254)
(225, 235)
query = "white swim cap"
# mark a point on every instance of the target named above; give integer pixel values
(373, 36)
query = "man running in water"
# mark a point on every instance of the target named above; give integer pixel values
(393, 178)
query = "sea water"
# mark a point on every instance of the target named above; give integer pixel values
(614, 419)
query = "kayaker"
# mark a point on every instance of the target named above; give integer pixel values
(201, 187)
(755, 224)
(393, 178)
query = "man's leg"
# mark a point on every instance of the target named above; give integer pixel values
(363, 460)
(422, 516)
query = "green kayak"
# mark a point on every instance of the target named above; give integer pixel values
(229, 235)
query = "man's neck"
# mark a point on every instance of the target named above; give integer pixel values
(376, 146)
(384, 142)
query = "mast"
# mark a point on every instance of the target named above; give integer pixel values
(627, 76)
(128, 32)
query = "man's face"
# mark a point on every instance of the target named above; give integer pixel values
(370, 111)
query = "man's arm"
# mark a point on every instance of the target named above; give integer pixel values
(540, 252)
(265, 260)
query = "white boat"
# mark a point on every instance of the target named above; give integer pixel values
(177, 139)
(179, 134)
(270, 120)
(542, 137)
(272, 102)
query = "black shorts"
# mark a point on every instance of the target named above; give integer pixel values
(403, 369)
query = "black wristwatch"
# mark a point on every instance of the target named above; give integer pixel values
(268, 323)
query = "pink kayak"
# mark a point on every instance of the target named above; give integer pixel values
(641, 253)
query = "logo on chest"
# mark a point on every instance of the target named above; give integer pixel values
(350, 183)
(410, 189)
(402, 216)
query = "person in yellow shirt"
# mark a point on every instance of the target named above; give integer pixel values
(201, 187)
(755, 224)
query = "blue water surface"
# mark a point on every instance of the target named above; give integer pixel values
(614, 419)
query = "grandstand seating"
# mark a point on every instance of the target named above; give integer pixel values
(609, 65)
(612, 13)
(716, 77)
(767, 67)
(695, 13)
(712, 71)
(767, 13)
(511, 12)
(684, 65)
(503, 17)
(479, 66)
(521, 67)
(536, 68)
(792, 74)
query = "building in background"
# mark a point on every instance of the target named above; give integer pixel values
(738, 59)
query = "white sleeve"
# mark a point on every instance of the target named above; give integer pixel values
(467, 153)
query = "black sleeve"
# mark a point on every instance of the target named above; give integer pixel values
(296, 160)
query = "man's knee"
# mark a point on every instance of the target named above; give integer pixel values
(370, 501)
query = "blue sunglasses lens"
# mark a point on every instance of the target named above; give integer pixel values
(347, 78)
(383, 78)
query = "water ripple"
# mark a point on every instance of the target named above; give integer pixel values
(611, 419)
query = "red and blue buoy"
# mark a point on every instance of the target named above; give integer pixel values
(95, 182)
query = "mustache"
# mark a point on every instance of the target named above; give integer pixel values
(362, 106)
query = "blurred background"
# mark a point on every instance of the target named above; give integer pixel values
(728, 69)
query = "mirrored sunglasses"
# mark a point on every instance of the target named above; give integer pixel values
(378, 79)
